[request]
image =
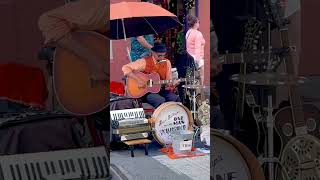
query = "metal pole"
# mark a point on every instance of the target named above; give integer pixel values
(185, 17)
(270, 138)
(197, 7)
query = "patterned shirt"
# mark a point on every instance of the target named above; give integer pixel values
(137, 50)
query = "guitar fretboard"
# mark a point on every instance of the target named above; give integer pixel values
(168, 81)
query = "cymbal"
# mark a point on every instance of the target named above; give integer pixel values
(195, 86)
(269, 79)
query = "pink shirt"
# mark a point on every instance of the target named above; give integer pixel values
(195, 44)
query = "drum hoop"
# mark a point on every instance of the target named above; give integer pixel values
(160, 109)
(253, 164)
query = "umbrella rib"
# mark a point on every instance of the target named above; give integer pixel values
(150, 25)
(177, 21)
(117, 29)
(124, 30)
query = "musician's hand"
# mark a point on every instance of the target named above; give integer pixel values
(176, 82)
(98, 71)
(220, 67)
(217, 69)
(169, 87)
(142, 83)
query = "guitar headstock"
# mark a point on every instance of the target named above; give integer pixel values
(259, 62)
(253, 35)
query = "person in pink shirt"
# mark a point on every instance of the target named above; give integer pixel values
(195, 43)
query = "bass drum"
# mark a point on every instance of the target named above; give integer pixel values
(232, 160)
(168, 118)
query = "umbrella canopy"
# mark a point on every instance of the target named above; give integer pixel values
(132, 19)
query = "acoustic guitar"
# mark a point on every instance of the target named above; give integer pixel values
(153, 85)
(77, 93)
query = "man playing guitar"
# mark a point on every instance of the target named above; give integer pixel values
(156, 63)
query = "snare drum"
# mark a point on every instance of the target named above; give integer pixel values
(230, 158)
(170, 117)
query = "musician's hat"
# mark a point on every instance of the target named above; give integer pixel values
(159, 48)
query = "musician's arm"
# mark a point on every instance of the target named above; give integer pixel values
(129, 69)
(74, 45)
(169, 73)
(169, 77)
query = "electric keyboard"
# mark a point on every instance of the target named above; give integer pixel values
(82, 164)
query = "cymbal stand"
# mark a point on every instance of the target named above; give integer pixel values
(193, 96)
(270, 159)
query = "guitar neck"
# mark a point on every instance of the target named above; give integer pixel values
(162, 82)
(232, 58)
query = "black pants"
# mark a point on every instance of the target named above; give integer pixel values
(227, 104)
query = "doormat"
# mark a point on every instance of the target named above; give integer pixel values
(172, 155)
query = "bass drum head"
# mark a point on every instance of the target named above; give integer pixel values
(232, 160)
(170, 117)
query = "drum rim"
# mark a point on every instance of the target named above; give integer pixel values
(163, 106)
(252, 162)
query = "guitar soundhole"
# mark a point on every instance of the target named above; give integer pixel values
(287, 129)
(149, 83)
(311, 124)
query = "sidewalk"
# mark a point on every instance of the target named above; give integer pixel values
(157, 166)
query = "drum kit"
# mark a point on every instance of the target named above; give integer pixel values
(173, 117)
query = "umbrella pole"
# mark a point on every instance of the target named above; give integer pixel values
(125, 38)
(124, 30)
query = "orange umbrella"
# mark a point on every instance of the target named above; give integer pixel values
(132, 19)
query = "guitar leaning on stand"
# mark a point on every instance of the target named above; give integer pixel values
(298, 126)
